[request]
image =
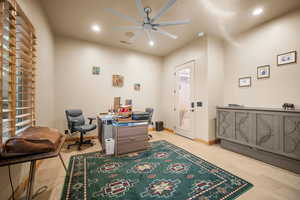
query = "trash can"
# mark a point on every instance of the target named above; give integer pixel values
(159, 126)
(109, 146)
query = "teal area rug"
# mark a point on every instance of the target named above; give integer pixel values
(165, 171)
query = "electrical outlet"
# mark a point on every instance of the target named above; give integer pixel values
(199, 104)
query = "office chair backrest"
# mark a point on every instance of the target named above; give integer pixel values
(150, 111)
(74, 115)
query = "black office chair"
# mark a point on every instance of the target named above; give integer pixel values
(150, 111)
(76, 123)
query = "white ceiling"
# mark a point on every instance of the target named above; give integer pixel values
(223, 18)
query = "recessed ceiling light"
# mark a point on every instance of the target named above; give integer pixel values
(151, 43)
(96, 28)
(257, 11)
(201, 34)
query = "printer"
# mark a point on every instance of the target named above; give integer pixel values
(139, 115)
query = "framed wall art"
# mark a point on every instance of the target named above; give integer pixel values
(245, 81)
(137, 86)
(263, 72)
(287, 58)
(117, 81)
(96, 70)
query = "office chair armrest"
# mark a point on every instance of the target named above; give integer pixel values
(91, 119)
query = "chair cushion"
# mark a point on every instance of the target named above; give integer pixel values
(85, 128)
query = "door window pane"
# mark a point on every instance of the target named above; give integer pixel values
(184, 98)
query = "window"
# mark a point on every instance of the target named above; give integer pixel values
(17, 71)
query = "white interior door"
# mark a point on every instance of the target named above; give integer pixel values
(184, 94)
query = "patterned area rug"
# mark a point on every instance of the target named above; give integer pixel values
(163, 172)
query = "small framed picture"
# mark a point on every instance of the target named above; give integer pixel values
(137, 86)
(96, 70)
(263, 72)
(117, 81)
(287, 58)
(245, 82)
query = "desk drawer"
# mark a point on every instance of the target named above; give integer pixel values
(139, 138)
(132, 147)
(125, 132)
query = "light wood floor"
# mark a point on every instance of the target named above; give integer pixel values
(270, 183)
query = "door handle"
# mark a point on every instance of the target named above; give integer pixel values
(192, 110)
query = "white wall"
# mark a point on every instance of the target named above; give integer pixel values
(76, 87)
(260, 46)
(44, 85)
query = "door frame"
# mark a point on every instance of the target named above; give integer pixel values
(193, 95)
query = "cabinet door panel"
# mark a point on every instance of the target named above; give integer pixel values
(243, 127)
(226, 126)
(267, 131)
(292, 136)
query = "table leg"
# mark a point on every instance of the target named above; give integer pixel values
(31, 180)
(63, 163)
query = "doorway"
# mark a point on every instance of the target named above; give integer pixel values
(184, 99)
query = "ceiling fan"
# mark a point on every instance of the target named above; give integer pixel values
(149, 24)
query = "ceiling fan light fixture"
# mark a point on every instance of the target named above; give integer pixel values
(151, 43)
(257, 11)
(96, 28)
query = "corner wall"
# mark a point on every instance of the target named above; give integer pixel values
(215, 60)
(257, 47)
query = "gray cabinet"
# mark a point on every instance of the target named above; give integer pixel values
(273, 131)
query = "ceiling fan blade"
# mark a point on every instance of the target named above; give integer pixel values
(140, 7)
(123, 16)
(165, 33)
(129, 27)
(164, 9)
(173, 23)
(136, 35)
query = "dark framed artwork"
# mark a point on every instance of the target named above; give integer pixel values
(263, 72)
(245, 81)
(96, 70)
(287, 58)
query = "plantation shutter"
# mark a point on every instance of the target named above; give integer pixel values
(17, 60)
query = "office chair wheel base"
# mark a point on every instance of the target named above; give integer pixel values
(80, 143)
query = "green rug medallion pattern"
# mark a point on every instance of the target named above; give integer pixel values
(165, 171)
